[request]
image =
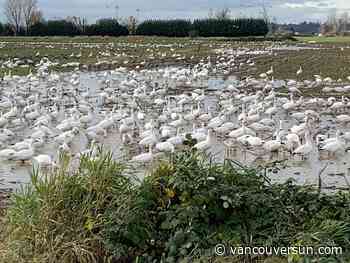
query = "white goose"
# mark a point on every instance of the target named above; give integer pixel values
(43, 161)
(165, 147)
(300, 71)
(24, 155)
(241, 131)
(7, 154)
(144, 158)
(150, 140)
(210, 141)
(178, 139)
(305, 149)
(334, 146)
(273, 145)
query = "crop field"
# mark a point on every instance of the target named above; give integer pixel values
(320, 57)
(102, 53)
(336, 40)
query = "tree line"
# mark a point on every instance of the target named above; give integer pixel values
(211, 27)
(25, 18)
(337, 23)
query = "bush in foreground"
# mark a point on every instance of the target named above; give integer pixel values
(180, 211)
(60, 217)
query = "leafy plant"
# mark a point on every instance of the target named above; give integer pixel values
(182, 209)
(59, 217)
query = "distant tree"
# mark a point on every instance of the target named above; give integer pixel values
(265, 13)
(108, 27)
(211, 13)
(37, 16)
(332, 22)
(13, 11)
(132, 24)
(223, 13)
(273, 26)
(8, 30)
(79, 22)
(29, 8)
(344, 20)
(2, 28)
(40, 28)
(62, 28)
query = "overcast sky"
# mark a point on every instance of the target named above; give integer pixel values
(283, 10)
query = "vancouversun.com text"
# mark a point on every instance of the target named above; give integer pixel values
(224, 250)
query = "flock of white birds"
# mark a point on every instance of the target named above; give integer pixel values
(155, 110)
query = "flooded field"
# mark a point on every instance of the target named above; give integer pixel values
(176, 140)
(142, 115)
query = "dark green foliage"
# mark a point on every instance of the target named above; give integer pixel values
(107, 27)
(8, 30)
(204, 28)
(39, 29)
(168, 28)
(60, 216)
(230, 27)
(180, 211)
(190, 204)
(2, 28)
(103, 27)
(61, 28)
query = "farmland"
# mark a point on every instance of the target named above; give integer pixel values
(155, 149)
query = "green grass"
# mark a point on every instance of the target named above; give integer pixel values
(325, 40)
(59, 216)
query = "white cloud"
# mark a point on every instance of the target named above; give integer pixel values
(342, 4)
(312, 4)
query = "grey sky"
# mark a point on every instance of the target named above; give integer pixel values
(283, 10)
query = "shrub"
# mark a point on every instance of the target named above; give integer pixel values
(204, 28)
(189, 204)
(168, 28)
(62, 28)
(39, 29)
(59, 217)
(107, 27)
(230, 27)
(193, 33)
(8, 30)
(180, 211)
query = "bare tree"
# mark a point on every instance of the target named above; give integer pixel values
(223, 13)
(79, 22)
(273, 26)
(266, 17)
(13, 11)
(332, 22)
(132, 24)
(211, 13)
(344, 19)
(37, 16)
(28, 8)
